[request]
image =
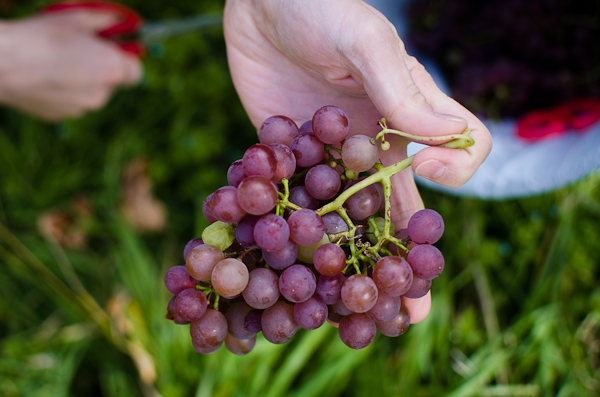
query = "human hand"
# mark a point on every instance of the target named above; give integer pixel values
(54, 67)
(292, 57)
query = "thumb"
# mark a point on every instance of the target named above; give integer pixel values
(92, 21)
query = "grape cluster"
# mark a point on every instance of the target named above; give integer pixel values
(299, 238)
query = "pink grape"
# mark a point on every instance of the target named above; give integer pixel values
(308, 150)
(271, 232)
(190, 245)
(311, 313)
(393, 275)
(363, 203)
(259, 160)
(177, 279)
(224, 205)
(359, 153)
(202, 260)
(207, 350)
(357, 330)
(297, 283)
(385, 308)
(206, 211)
(425, 226)
(359, 293)
(329, 288)
(306, 128)
(244, 231)
(229, 277)
(329, 259)
(426, 261)
(236, 173)
(190, 304)
(282, 258)
(334, 223)
(209, 330)
(286, 162)
(300, 196)
(257, 195)
(330, 124)
(262, 290)
(278, 323)
(277, 129)
(322, 182)
(306, 227)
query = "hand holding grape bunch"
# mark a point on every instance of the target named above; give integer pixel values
(276, 259)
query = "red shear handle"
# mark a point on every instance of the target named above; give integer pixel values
(130, 21)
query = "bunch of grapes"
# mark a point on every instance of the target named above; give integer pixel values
(299, 238)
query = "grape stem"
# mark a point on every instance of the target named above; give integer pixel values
(454, 141)
(284, 201)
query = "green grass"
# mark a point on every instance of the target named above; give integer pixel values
(515, 313)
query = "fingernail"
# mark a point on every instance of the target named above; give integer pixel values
(431, 169)
(450, 117)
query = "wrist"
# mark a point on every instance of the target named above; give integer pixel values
(5, 55)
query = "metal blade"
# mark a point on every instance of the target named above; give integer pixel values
(155, 31)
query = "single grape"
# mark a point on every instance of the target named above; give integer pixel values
(202, 260)
(239, 347)
(357, 330)
(418, 288)
(297, 283)
(190, 304)
(385, 308)
(426, 261)
(306, 227)
(224, 205)
(286, 162)
(236, 317)
(271, 232)
(236, 173)
(257, 195)
(206, 211)
(306, 128)
(190, 245)
(330, 124)
(252, 322)
(308, 150)
(177, 279)
(359, 153)
(209, 330)
(277, 129)
(300, 196)
(363, 203)
(329, 288)
(397, 325)
(259, 160)
(311, 313)
(262, 290)
(359, 293)
(322, 182)
(230, 277)
(426, 227)
(329, 259)
(282, 258)
(393, 275)
(278, 323)
(334, 223)
(244, 231)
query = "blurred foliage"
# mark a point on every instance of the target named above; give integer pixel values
(516, 312)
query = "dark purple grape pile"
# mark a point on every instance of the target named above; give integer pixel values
(503, 58)
(275, 258)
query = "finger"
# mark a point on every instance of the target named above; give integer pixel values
(450, 167)
(132, 70)
(417, 308)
